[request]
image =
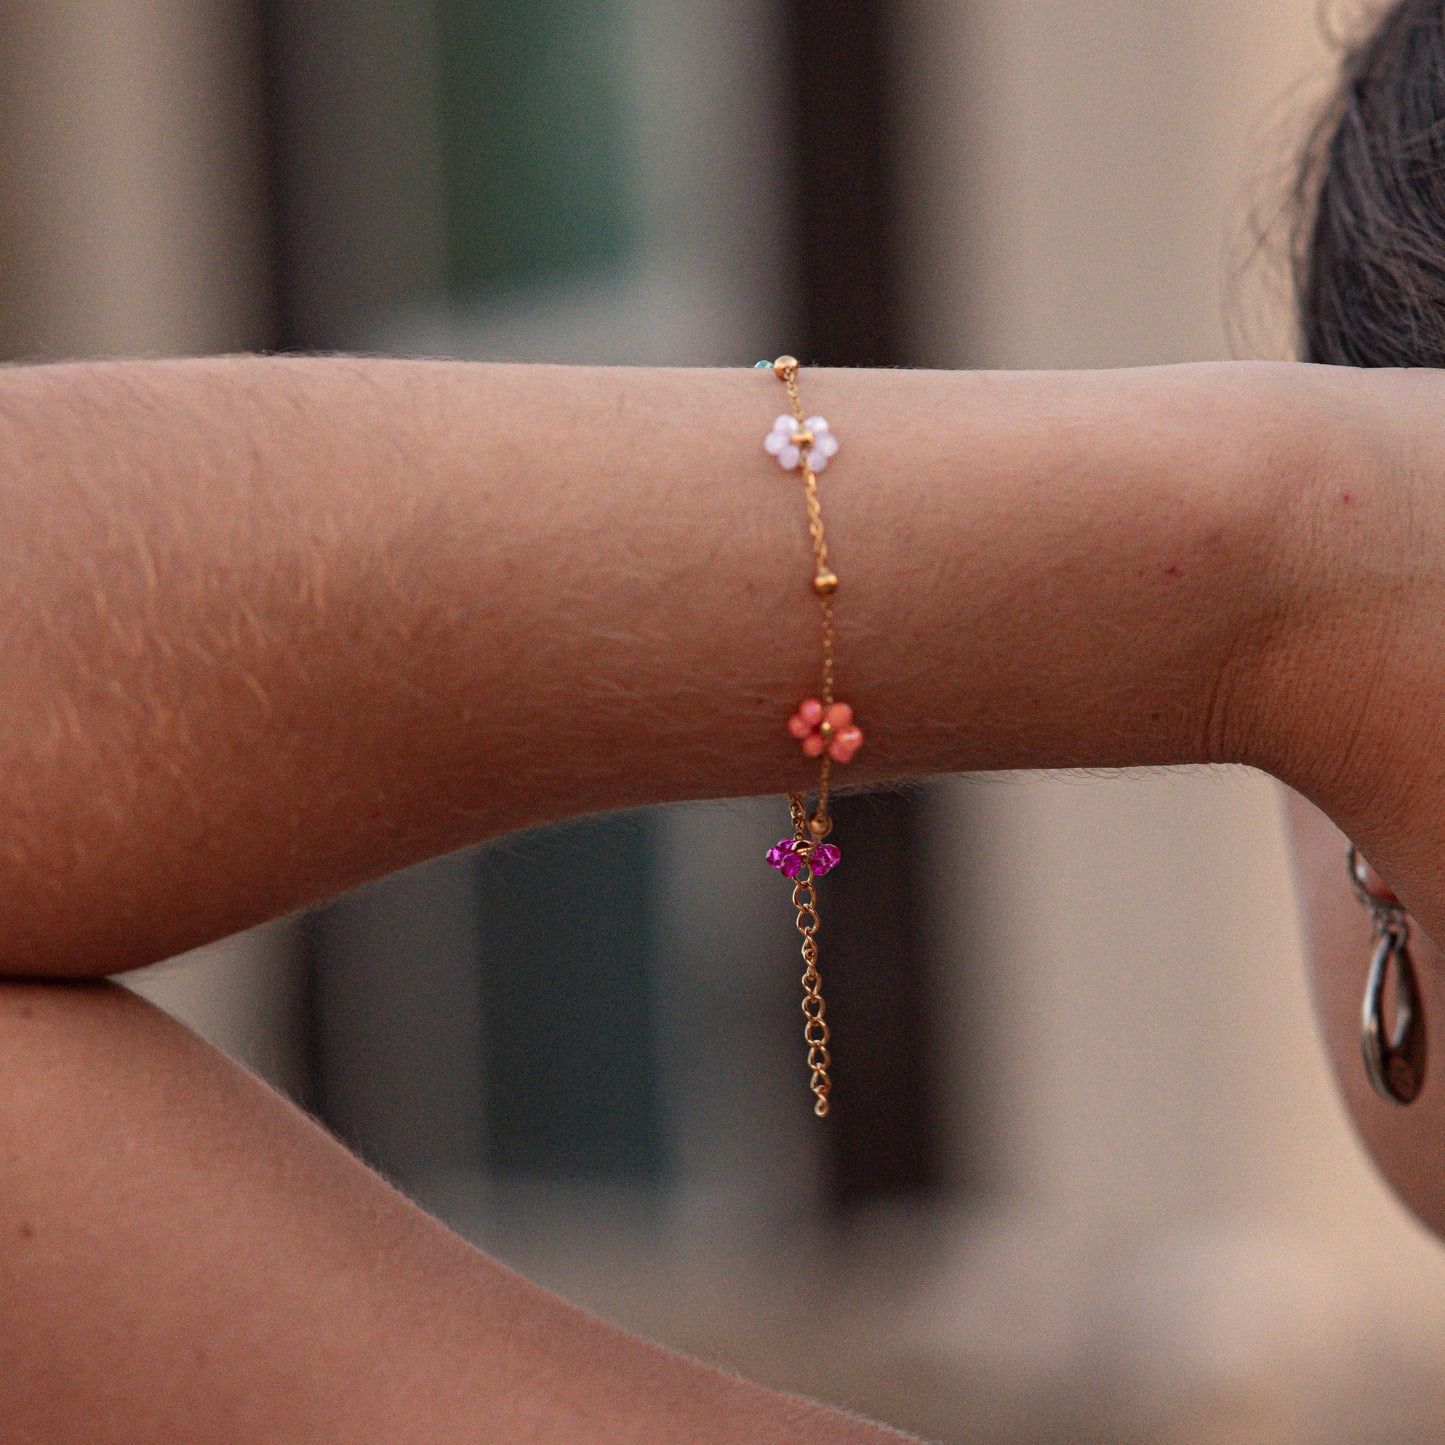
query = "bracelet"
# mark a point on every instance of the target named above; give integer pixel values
(823, 725)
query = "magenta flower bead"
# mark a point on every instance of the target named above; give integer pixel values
(784, 856)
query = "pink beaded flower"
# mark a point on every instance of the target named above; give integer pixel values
(788, 440)
(784, 856)
(829, 729)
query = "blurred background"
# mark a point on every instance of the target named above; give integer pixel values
(1085, 1178)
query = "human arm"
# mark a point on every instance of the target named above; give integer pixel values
(276, 626)
(185, 1257)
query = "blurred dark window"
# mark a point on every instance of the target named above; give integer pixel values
(844, 170)
(883, 1139)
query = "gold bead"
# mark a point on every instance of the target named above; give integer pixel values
(802, 437)
(785, 366)
(825, 583)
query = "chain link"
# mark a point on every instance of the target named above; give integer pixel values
(1386, 911)
(815, 1027)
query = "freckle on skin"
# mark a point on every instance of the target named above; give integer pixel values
(26, 1231)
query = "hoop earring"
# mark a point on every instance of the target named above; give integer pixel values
(1394, 1061)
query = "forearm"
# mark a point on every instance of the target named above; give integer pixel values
(275, 626)
(183, 1256)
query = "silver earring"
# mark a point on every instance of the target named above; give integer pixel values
(1394, 1059)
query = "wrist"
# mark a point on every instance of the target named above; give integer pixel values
(1244, 506)
(1352, 585)
(1258, 697)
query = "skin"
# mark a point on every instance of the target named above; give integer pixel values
(1405, 1143)
(276, 627)
(186, 1257)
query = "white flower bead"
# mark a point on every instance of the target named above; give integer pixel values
(779, 443)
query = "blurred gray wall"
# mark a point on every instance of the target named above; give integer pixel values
(133, 222)
(1186, 1228)
(131, 179)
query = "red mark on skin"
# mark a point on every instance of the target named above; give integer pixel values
(1171, 571)
(26, 1231)
(1347, 497)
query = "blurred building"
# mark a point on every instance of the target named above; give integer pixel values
(1091, 1182)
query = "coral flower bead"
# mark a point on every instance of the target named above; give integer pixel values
(826, 729)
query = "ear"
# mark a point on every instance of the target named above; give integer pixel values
(1407, 1142)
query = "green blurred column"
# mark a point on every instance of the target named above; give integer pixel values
(567, 1000)
(533, 140)
(534, 165)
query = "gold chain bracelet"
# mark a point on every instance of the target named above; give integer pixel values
(823, 725)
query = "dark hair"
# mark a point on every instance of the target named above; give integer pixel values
(1369, 254)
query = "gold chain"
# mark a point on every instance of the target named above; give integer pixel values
(808, 832)
(825, 584)
(815, 1027)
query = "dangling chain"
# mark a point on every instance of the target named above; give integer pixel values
(805, 900)
(823, 726)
